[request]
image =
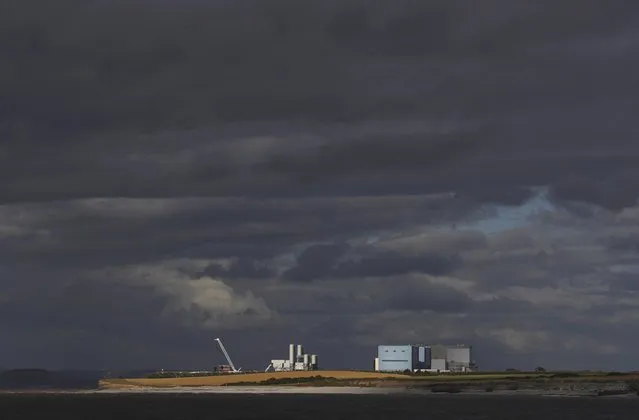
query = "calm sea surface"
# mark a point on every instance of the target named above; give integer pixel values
(320, 407)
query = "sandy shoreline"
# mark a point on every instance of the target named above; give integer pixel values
(294, 390)
(256, 390)
(328, 390)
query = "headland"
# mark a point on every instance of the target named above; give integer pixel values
(294, 378)
(597, 384)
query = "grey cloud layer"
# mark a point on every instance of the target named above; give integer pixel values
(267, 168)
(554, 76)
(557, 281)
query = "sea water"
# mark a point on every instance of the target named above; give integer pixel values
(313, 407)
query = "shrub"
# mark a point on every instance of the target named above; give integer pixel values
(565, 375)
(608, 392)
(447, 388)
(633, 386)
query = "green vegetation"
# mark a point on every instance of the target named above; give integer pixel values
(609, 392)
(515, 375)
(446, 388)
(595, 384)
(317, 380)
(509, 375)
(180, 374)
(633, 386)
(566, 375)
(452, 377)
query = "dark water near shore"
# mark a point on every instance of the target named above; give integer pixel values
(311, 407)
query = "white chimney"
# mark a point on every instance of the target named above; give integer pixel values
(291, 353)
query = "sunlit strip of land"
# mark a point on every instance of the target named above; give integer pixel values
(221, 380)
(350, 376)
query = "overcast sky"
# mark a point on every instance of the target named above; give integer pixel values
(336, 173)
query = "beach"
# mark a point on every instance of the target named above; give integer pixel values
(255, 390)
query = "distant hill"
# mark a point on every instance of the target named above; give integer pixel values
(20, 379)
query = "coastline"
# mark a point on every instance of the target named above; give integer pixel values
(352, 390)
(340, 390)
(256, 390)
(584, 392)
(350, 382)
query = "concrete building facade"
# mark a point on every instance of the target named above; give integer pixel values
(424, 357)
(397, 358)
(459, 358)
(438, 365)
(438, 351)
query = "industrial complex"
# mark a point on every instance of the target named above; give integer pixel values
(297, 360)
(424, 358)
(390, 358)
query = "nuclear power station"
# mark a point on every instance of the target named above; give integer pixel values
(455, 358)
(297, 360)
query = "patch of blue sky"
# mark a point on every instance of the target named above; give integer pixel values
(497, 219)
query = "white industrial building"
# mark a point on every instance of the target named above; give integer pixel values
(459, 358)
(297, 360)
(392, 358)
(438, 365)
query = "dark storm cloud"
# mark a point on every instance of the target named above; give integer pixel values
(416, 153)
(499, 307)
(532, 268)
(197, 64)
(84, 324)
(241, 268)
(333, 120)
(411, 295)
(130, 309)
(387, 264)
(314, 262)
(626, 242)
(332, 261)
(95, 233)
(612, 190)
(508, 195)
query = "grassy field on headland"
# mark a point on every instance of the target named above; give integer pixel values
(246, 378)
(373, 379)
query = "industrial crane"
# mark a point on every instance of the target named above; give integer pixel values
(228, 358)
